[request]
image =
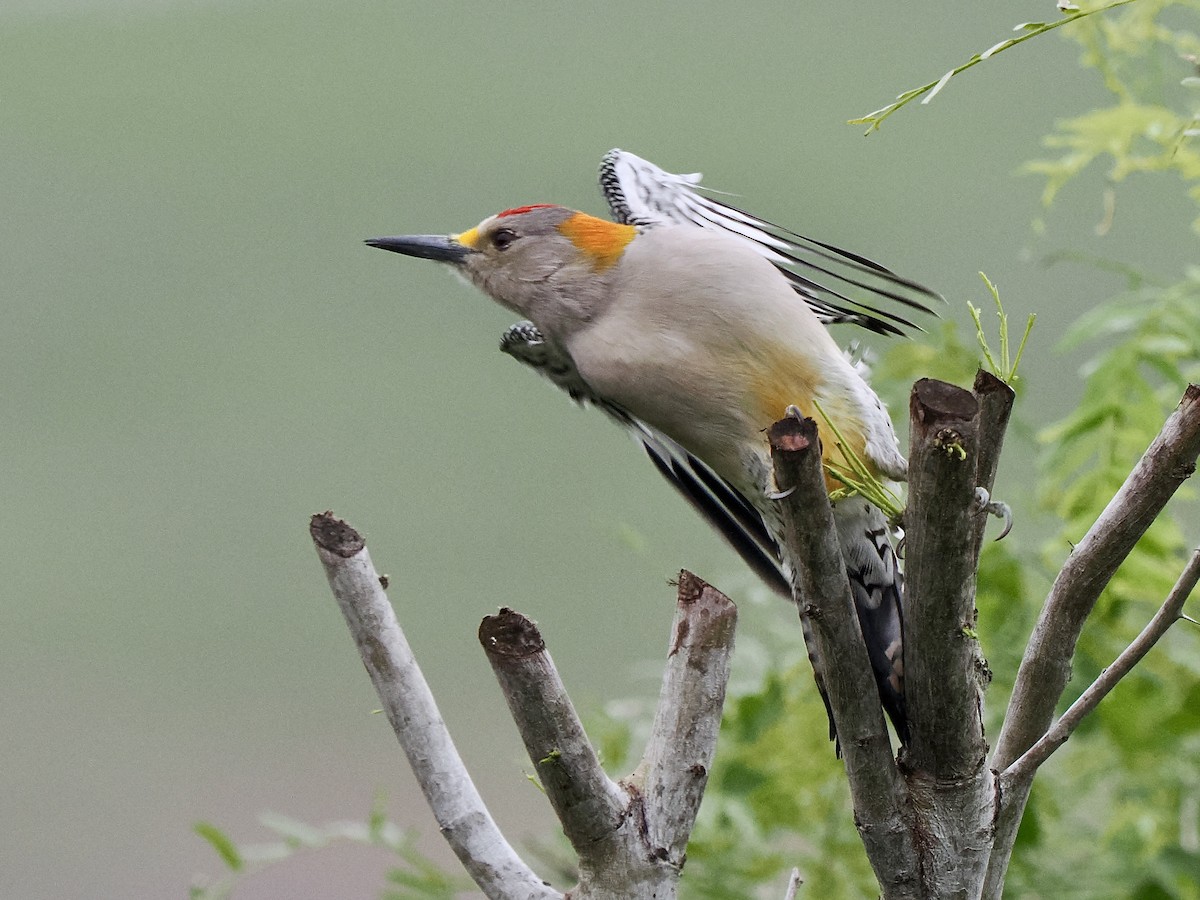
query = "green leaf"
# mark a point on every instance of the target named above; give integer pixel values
(222, 843)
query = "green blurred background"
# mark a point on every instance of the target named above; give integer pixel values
(198, 352)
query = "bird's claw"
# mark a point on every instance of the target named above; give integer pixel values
(998, 508)
(526, 343)
(792, 412)
(520, 339)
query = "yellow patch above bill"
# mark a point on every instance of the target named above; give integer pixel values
(469, 238)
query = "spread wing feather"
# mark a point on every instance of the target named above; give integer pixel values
(827, 277)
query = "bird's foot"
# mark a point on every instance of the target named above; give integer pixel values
(792, 412)
(998, 508)
(524, 341)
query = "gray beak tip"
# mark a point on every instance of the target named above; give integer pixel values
(423, 246)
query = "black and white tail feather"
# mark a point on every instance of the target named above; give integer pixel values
(827, 277)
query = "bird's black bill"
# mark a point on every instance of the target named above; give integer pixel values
(424, 246)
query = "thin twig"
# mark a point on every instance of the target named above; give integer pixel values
(1031, 29)
(794, 882)
(1046, 667)
(1168, 614)
(995, 407)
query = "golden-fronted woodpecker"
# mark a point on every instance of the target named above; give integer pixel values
(681, 321)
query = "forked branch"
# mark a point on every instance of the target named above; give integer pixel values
(1046, 665)
(1168, 614)
(928, 825)
(630, 837)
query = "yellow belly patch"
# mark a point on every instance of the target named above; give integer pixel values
(781, 380)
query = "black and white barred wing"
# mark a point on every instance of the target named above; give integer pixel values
(839, 286)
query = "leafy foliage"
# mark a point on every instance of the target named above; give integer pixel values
(772, 742)
(1002, 362)
(416, 878)
(1117, 813)
(1153, 120)
(1139, 809)
(775, 767)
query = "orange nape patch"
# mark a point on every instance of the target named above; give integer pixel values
(600, 239)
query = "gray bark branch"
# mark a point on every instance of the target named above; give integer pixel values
(674, 769)
(940, 823)
(1168, 614)
(942, 661)
(409, 705)
(995, 400)
(945, 763)
(822, 593)
(630, 838)
(1046, 665)
(588, 803)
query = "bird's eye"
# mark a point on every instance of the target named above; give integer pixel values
(503, 238)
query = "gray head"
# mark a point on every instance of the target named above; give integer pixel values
(547, 263)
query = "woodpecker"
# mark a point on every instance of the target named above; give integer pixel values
(695, 325)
